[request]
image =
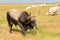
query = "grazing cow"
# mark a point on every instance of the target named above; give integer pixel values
(34, 6)
(28, 8)
(43, 5)
(21, 18)
(53, 10)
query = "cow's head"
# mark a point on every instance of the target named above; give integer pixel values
(32, 22)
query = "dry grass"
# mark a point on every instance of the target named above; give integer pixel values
(48, 26)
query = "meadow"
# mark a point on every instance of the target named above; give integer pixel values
(48, 26)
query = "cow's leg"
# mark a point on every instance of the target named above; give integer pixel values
(22, 27)
(10, 27)
(9, 21)
(24, 30)
(56, 13)
(25, 27)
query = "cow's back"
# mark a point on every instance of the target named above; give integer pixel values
(15, 14)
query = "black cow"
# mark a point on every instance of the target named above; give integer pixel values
(21, 18)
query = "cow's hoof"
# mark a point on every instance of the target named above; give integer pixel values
(24, 33)
(10, 31)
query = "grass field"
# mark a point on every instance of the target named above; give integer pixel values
(48, 26)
